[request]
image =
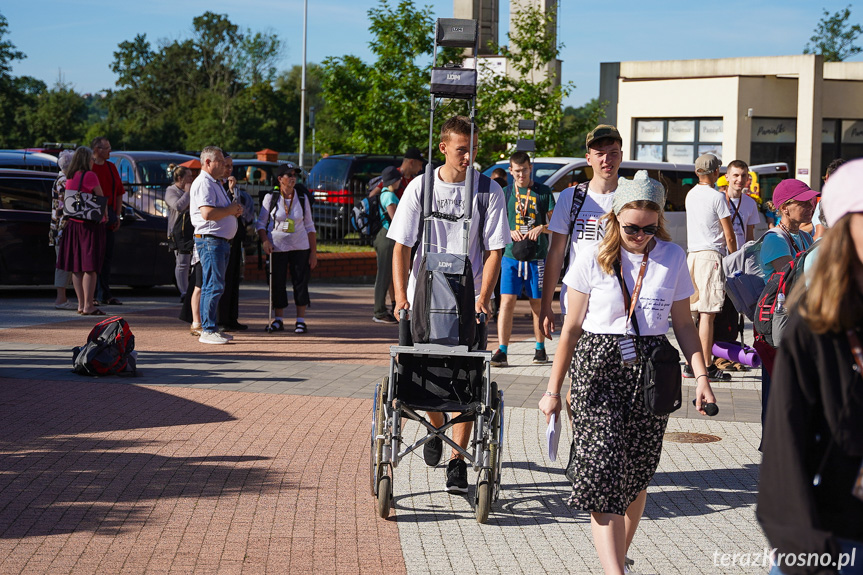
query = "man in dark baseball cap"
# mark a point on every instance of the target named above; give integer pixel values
(412, 164)
(577, 217)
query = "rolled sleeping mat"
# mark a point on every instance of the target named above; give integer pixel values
(735, 352)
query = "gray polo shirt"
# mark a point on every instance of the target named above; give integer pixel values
(207, 191)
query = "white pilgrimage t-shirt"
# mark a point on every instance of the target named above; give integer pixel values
(705, 206)
(748, 215)
(588, 228)
(666, 280)
(446, 236)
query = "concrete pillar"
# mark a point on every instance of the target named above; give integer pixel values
(487, 13)
(810, 87)
(609, 91)
(741, 127)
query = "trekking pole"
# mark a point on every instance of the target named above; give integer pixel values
(269, 327)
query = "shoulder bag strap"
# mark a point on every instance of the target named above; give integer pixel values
(578, 196)
(630, 303)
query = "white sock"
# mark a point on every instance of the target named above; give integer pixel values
(279, 319)
(301, 320)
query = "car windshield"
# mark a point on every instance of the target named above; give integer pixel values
(155, 172)
(330, 172)
(541, 171)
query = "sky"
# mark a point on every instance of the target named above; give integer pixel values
(76, 40)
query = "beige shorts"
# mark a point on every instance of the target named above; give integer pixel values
(705, 268)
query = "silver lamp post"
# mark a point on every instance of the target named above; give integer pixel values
(303, 90)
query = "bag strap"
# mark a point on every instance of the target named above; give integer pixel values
(482, 200)
(628, 302)
(737, 212)
(579, 194)
(856, 349)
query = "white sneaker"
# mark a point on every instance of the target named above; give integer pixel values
(213, 337)
(227, 336)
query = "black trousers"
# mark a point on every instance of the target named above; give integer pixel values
(297, 264)
(229, 305)
(103, 282)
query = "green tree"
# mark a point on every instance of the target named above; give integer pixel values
(59, 115)
(531, 91)
(189, 93)
(382, 106)
(834, 37)
(578, 122)
(17, 94)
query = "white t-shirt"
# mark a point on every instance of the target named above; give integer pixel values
(666, 280)
(207, 191)
(303, 224)
(446, 236)
(748, 210)
(588, 229)
(705, 206)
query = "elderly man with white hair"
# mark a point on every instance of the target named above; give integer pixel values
(214, 216)
(58, 222)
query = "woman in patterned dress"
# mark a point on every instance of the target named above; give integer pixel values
(617, 441)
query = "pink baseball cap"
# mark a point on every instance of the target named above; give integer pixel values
(791, 189)
(843, 192)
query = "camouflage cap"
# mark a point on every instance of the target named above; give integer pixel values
(603, 131)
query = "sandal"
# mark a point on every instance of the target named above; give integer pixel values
(737, 366)
(300, 327)
(277, 325)
(96, 311)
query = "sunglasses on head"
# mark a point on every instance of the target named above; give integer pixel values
(648, 230)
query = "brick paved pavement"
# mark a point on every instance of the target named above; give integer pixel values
(252, 458)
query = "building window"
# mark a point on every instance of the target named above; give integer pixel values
(774, 140)
(678, 140)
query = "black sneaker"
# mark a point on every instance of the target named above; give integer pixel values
(499, 359)
(433, 451)
(716, 374)
(540, 356)
(456, 476)
(388, 318)
(687, 371)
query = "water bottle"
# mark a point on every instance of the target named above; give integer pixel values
(780, 301)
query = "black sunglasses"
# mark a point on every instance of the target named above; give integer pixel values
(648, 230)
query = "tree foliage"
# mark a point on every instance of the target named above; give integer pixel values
(17, 95)
(578, 122)
(191, 93)
(834, 37)
(382, 107)
(530, 91)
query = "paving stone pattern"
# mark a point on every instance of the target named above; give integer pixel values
(253, 458)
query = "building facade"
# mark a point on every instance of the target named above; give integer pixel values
(794, 109)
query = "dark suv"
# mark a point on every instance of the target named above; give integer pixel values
(141, 255)
(337, 183)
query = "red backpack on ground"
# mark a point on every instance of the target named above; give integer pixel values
(109, 349)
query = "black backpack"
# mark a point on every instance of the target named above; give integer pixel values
(443, 306)
(109, 349)
(183, 233)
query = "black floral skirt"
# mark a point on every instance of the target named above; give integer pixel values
(616, 442)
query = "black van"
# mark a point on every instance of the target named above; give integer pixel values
(339, 181)
(141, 255)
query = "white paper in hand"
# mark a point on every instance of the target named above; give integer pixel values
(553, 436)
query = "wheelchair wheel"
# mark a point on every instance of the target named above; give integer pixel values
(385, 496)
(378, 423)
(484, 490)
(496, 459)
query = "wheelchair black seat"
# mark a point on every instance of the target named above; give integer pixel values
(439, 383)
